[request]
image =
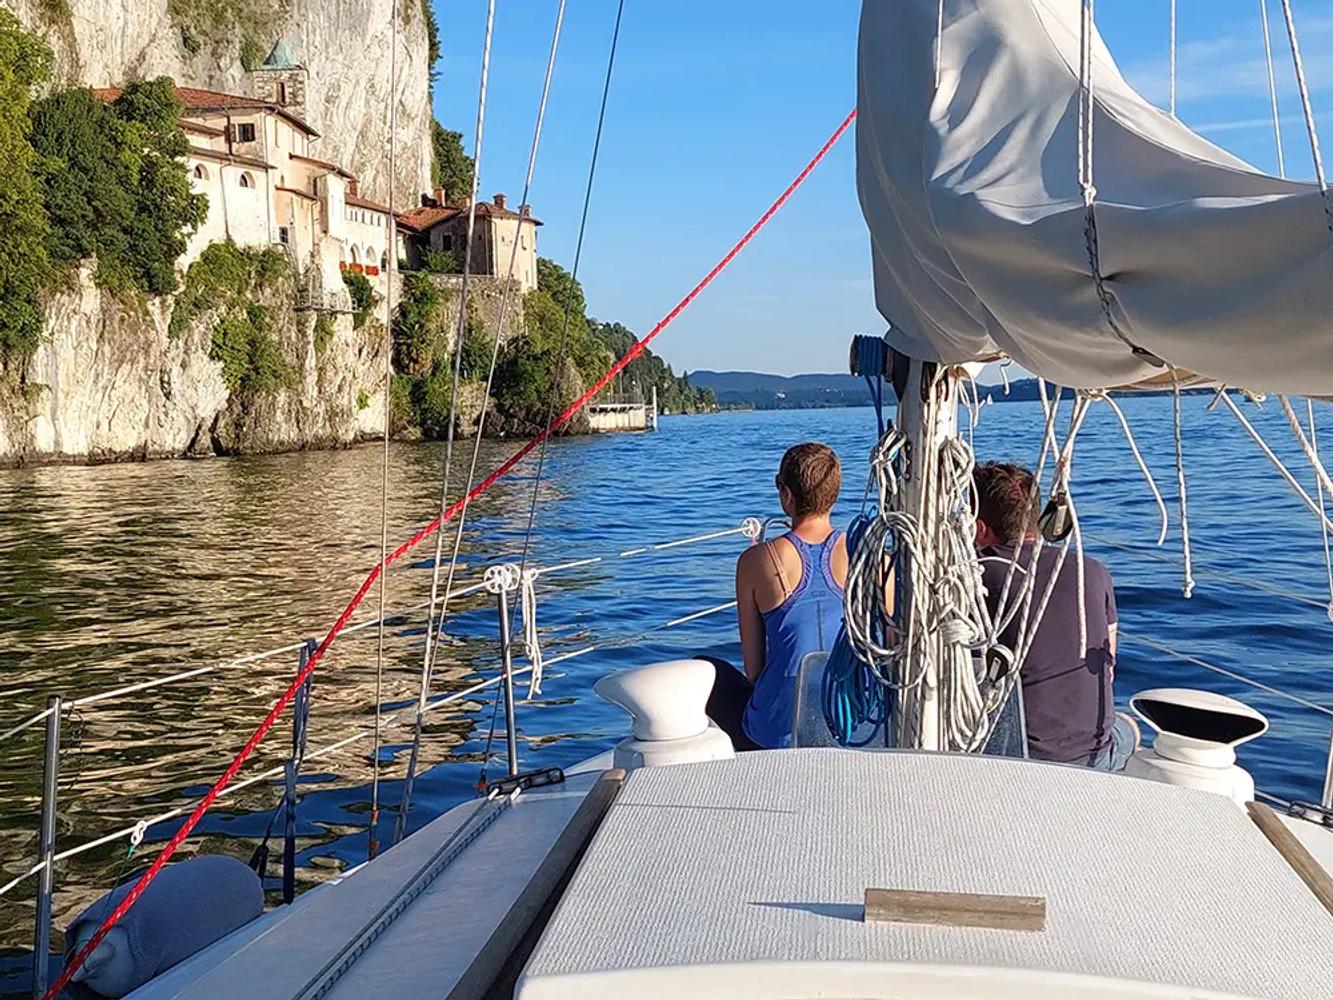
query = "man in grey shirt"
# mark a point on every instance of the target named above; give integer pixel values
(1068, 693)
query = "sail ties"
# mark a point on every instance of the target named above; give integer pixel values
(1086, 109)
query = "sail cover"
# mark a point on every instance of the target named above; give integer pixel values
(978, 224)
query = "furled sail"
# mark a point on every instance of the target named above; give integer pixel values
(972, 189)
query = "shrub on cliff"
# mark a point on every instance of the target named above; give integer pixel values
(115, 183)
(363, 297)
(416, 326)
(25, 63)
(530, 372)
(230, 281)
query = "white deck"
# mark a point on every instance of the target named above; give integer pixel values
(425, 951)
(746, 879)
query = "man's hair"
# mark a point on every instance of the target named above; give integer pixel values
(811, 472)
(1008, 500)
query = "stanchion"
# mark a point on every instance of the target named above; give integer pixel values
(500, 580)
(41, 940)
(300, 722)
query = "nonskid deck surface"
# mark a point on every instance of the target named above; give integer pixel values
(746, 878)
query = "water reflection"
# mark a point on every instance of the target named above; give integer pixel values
(119, 574)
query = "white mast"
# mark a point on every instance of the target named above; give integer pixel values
(928, 416)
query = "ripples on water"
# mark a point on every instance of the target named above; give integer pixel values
(117, 574)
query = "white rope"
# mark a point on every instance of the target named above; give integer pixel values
(1187, 588)
(532, 646)
(1272, 90)
(1323, 524)
(1105, 397)
(1303, 86)
(1311, 448)
(1277, 462)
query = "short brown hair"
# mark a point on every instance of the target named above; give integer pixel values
(1008, 499)
(812, 474)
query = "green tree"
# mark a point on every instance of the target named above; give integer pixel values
(25, 63)
(115, 183)
(165, 210)
(648, 372)
(450, 168)
(363, 297)
(432, 41)
(416, 326)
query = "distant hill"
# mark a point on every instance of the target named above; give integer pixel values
(758, 391)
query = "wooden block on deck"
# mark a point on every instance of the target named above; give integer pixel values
(956, 909)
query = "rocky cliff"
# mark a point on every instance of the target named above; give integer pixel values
(113, 381)
(342, 45)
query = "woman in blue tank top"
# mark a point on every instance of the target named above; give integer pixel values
(788, 602)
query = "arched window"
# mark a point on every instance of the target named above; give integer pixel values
(384, 261)
(356, 258)
(200, 172)
(371, 255)
(246, 180)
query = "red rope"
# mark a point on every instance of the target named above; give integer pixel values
(125, 904)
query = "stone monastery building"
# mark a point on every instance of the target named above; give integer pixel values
(255, 158)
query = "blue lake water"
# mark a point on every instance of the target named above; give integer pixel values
(118, 574)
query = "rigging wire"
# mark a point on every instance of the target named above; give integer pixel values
(1303, 86)
(1187, 588)
(1323, 526)
(432, 634)
(1173, 59)
(1272, 89)
(421, 535)
(372, 843)
(573, 279)
(432, 648)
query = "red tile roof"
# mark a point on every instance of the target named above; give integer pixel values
(424, 218)
(195, 99)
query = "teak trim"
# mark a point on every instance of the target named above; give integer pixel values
(956, 909)
(1293, 852)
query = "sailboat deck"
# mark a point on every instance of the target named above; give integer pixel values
(746, 878)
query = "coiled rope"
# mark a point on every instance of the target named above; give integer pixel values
(561, 419)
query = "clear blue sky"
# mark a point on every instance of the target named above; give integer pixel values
(716, 105)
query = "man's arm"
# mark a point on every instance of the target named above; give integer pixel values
(747, 614)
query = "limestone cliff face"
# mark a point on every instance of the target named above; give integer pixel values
(109, 382)
(344, 46)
